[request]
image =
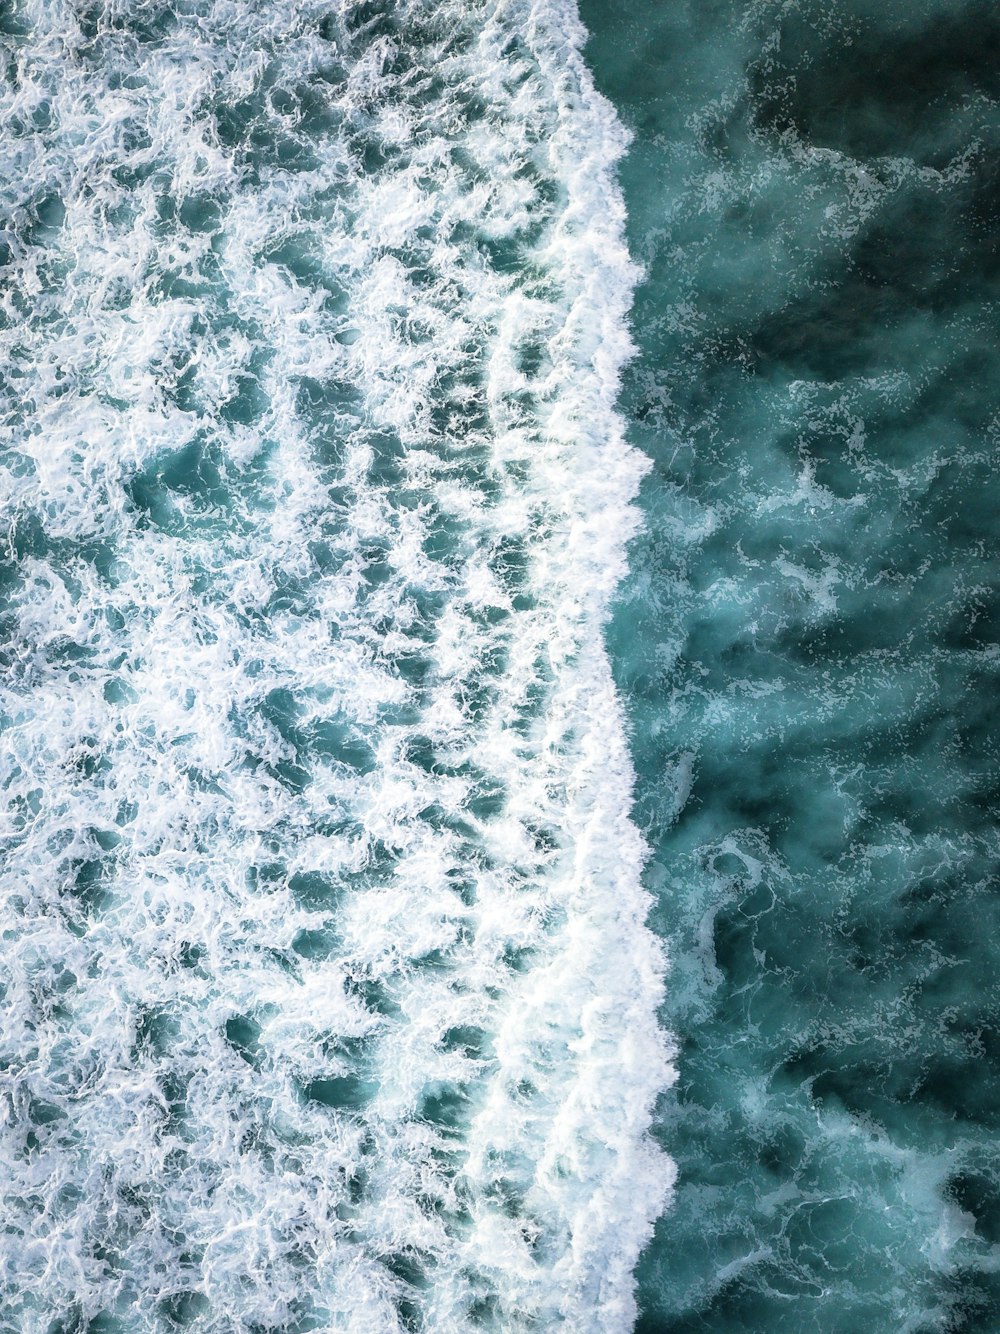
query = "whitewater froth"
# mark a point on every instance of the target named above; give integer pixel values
(329, 1002)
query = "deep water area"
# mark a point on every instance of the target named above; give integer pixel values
(808, 644)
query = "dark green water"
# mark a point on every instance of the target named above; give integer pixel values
(809, 644)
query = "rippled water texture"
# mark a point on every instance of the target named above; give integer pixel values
(809, 647)
(327, 998)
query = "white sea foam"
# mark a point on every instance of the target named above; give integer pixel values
(329, 999)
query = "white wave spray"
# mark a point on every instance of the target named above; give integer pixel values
(328, 997)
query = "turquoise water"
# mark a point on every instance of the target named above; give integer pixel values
(498, 629)
(808, 644)
(320, 900)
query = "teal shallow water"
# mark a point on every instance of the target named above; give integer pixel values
(808, 645)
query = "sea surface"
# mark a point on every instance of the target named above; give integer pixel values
(328, 997)
(499, 635)
(808, 644)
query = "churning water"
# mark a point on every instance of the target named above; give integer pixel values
(329, 1002)
(809, 647)
(397, 665)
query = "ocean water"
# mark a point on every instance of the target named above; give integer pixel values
(808, 645)
(328, 997)
(498, 641)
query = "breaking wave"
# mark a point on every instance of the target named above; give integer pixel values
(328, 997)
